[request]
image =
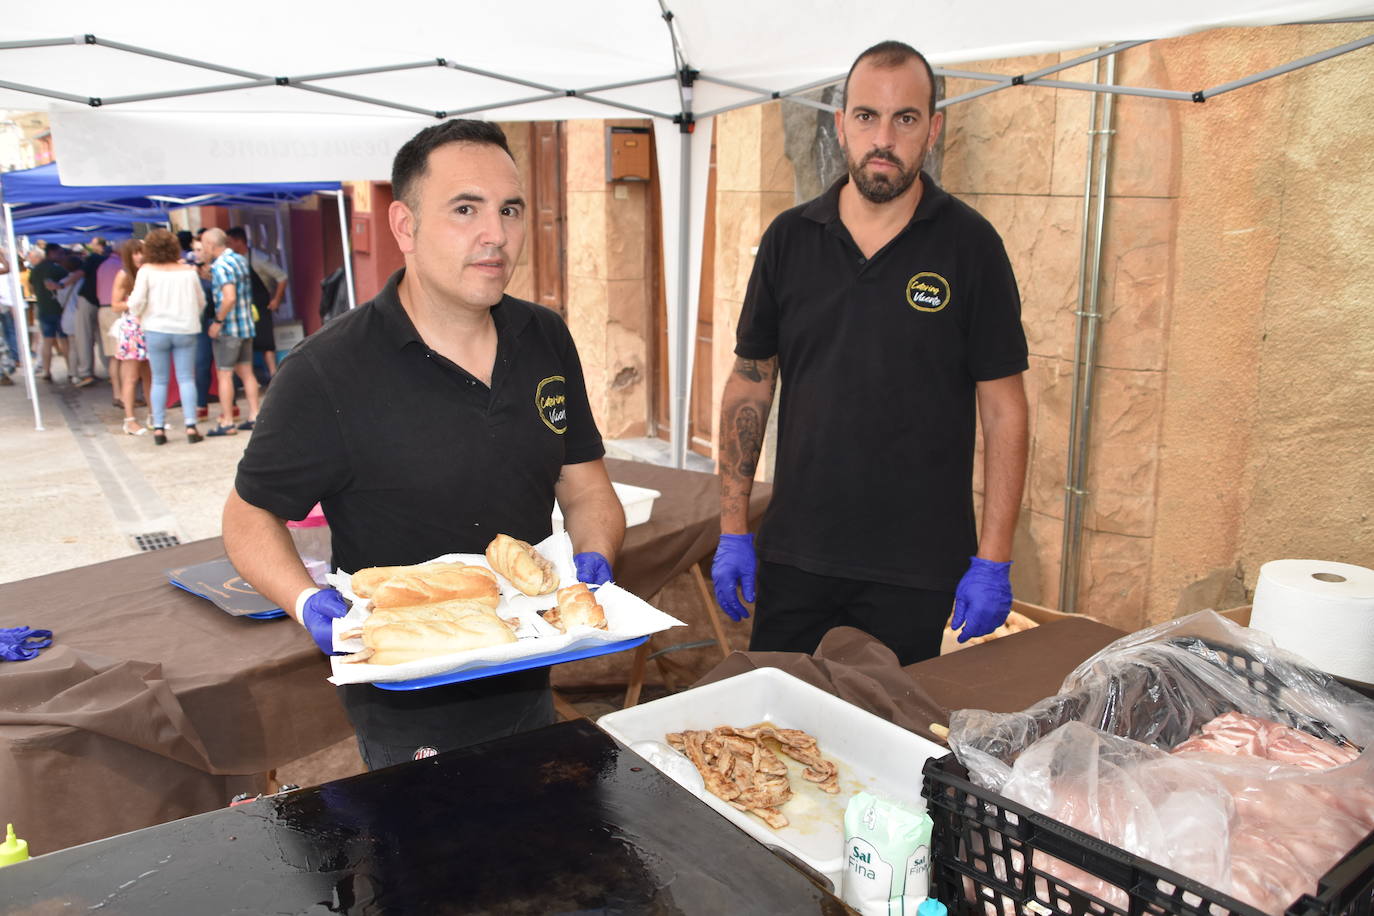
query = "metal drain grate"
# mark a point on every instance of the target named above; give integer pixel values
(156, 540)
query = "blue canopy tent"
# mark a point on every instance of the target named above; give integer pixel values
(86, 222)
(36, 200)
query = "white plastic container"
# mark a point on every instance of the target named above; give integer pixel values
(872, 754)
(638, 503)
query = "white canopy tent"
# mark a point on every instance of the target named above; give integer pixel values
(319, 90)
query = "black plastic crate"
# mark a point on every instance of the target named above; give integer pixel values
(984, 848)
(984, 861)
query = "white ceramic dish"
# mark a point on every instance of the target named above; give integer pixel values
(873, 754)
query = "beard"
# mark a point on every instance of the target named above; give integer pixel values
(881, 187)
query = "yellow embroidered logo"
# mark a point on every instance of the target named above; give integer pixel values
(927, 292)
(551, 400)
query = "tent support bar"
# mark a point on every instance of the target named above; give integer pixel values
(628, 83)
(362, 71)
(343, 242)
(1287, 68)
(21, 323)
(174, 58)
(427, 112)
(178, 93)
(40, 43)
(459, 112)
(505, 78)
(807, 87)
(685, 336)
(717, 81)
(47, 93)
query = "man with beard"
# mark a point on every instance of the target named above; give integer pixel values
(891, 314)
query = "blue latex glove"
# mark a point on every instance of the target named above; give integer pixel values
(20, 644)
(983, 599)
(592, 568)
(733, 570)
(321, 608)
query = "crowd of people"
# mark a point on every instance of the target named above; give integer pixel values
(162, 307)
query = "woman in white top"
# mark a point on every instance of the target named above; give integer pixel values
(167, 300)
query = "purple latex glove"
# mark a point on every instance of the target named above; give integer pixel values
(320, 609)
(983, 599)
(20, 644)
(592, 568)
(732, 571)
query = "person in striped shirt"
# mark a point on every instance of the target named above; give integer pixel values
(231, 330)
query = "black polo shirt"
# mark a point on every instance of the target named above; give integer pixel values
(879, 359)
(412, 457)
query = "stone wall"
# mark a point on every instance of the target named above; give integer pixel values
(1233, 390)
(608, 281)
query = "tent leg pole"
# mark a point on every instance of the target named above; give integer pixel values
(21, 323)
(343, 243)
(686, 335)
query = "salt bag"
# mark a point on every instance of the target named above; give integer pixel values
(887, 856)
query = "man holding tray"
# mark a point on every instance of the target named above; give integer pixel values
(429, 420)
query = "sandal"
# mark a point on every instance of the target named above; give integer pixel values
(193, 435)
(132, 427)
(159, 435)
(222, 430)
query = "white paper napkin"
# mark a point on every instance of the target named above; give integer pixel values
(627, 617)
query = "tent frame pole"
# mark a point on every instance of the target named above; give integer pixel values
(21, 322)
(347, 250)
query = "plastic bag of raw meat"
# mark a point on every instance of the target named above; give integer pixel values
(1267, 787)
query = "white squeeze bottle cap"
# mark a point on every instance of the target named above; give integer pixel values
(13, 849)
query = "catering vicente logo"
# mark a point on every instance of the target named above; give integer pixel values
(927, 292)
(551, 400)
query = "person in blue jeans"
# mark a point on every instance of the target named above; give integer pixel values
(167, 299)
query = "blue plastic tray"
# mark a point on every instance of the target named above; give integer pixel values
(520, 664)
(260, 615)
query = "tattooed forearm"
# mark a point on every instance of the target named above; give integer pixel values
(749, 368)
(743, 411)
(749, 436)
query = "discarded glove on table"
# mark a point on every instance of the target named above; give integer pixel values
(19, 644)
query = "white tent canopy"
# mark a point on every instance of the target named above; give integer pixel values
(313, 90)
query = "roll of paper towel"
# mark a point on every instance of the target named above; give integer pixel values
(1320, 610)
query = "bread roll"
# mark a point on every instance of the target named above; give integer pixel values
(438, 582)
(405, 642)
(365, 581)
(576, 607)
(440, 610)
(524, 566)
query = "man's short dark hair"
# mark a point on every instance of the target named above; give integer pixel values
(184, 239)
(889, 54)
(412, 160)
(53, 248)
(237, 232)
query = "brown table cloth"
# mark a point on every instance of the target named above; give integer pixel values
(684, 528)
(1004, 675)
(152, 704)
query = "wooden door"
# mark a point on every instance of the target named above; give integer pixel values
(547, 208)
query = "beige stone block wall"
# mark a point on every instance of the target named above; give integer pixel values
(1233, 418)
(754, 183)
(1269, 418)
(608, 281)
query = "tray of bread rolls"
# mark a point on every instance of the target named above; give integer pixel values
(459, 617)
